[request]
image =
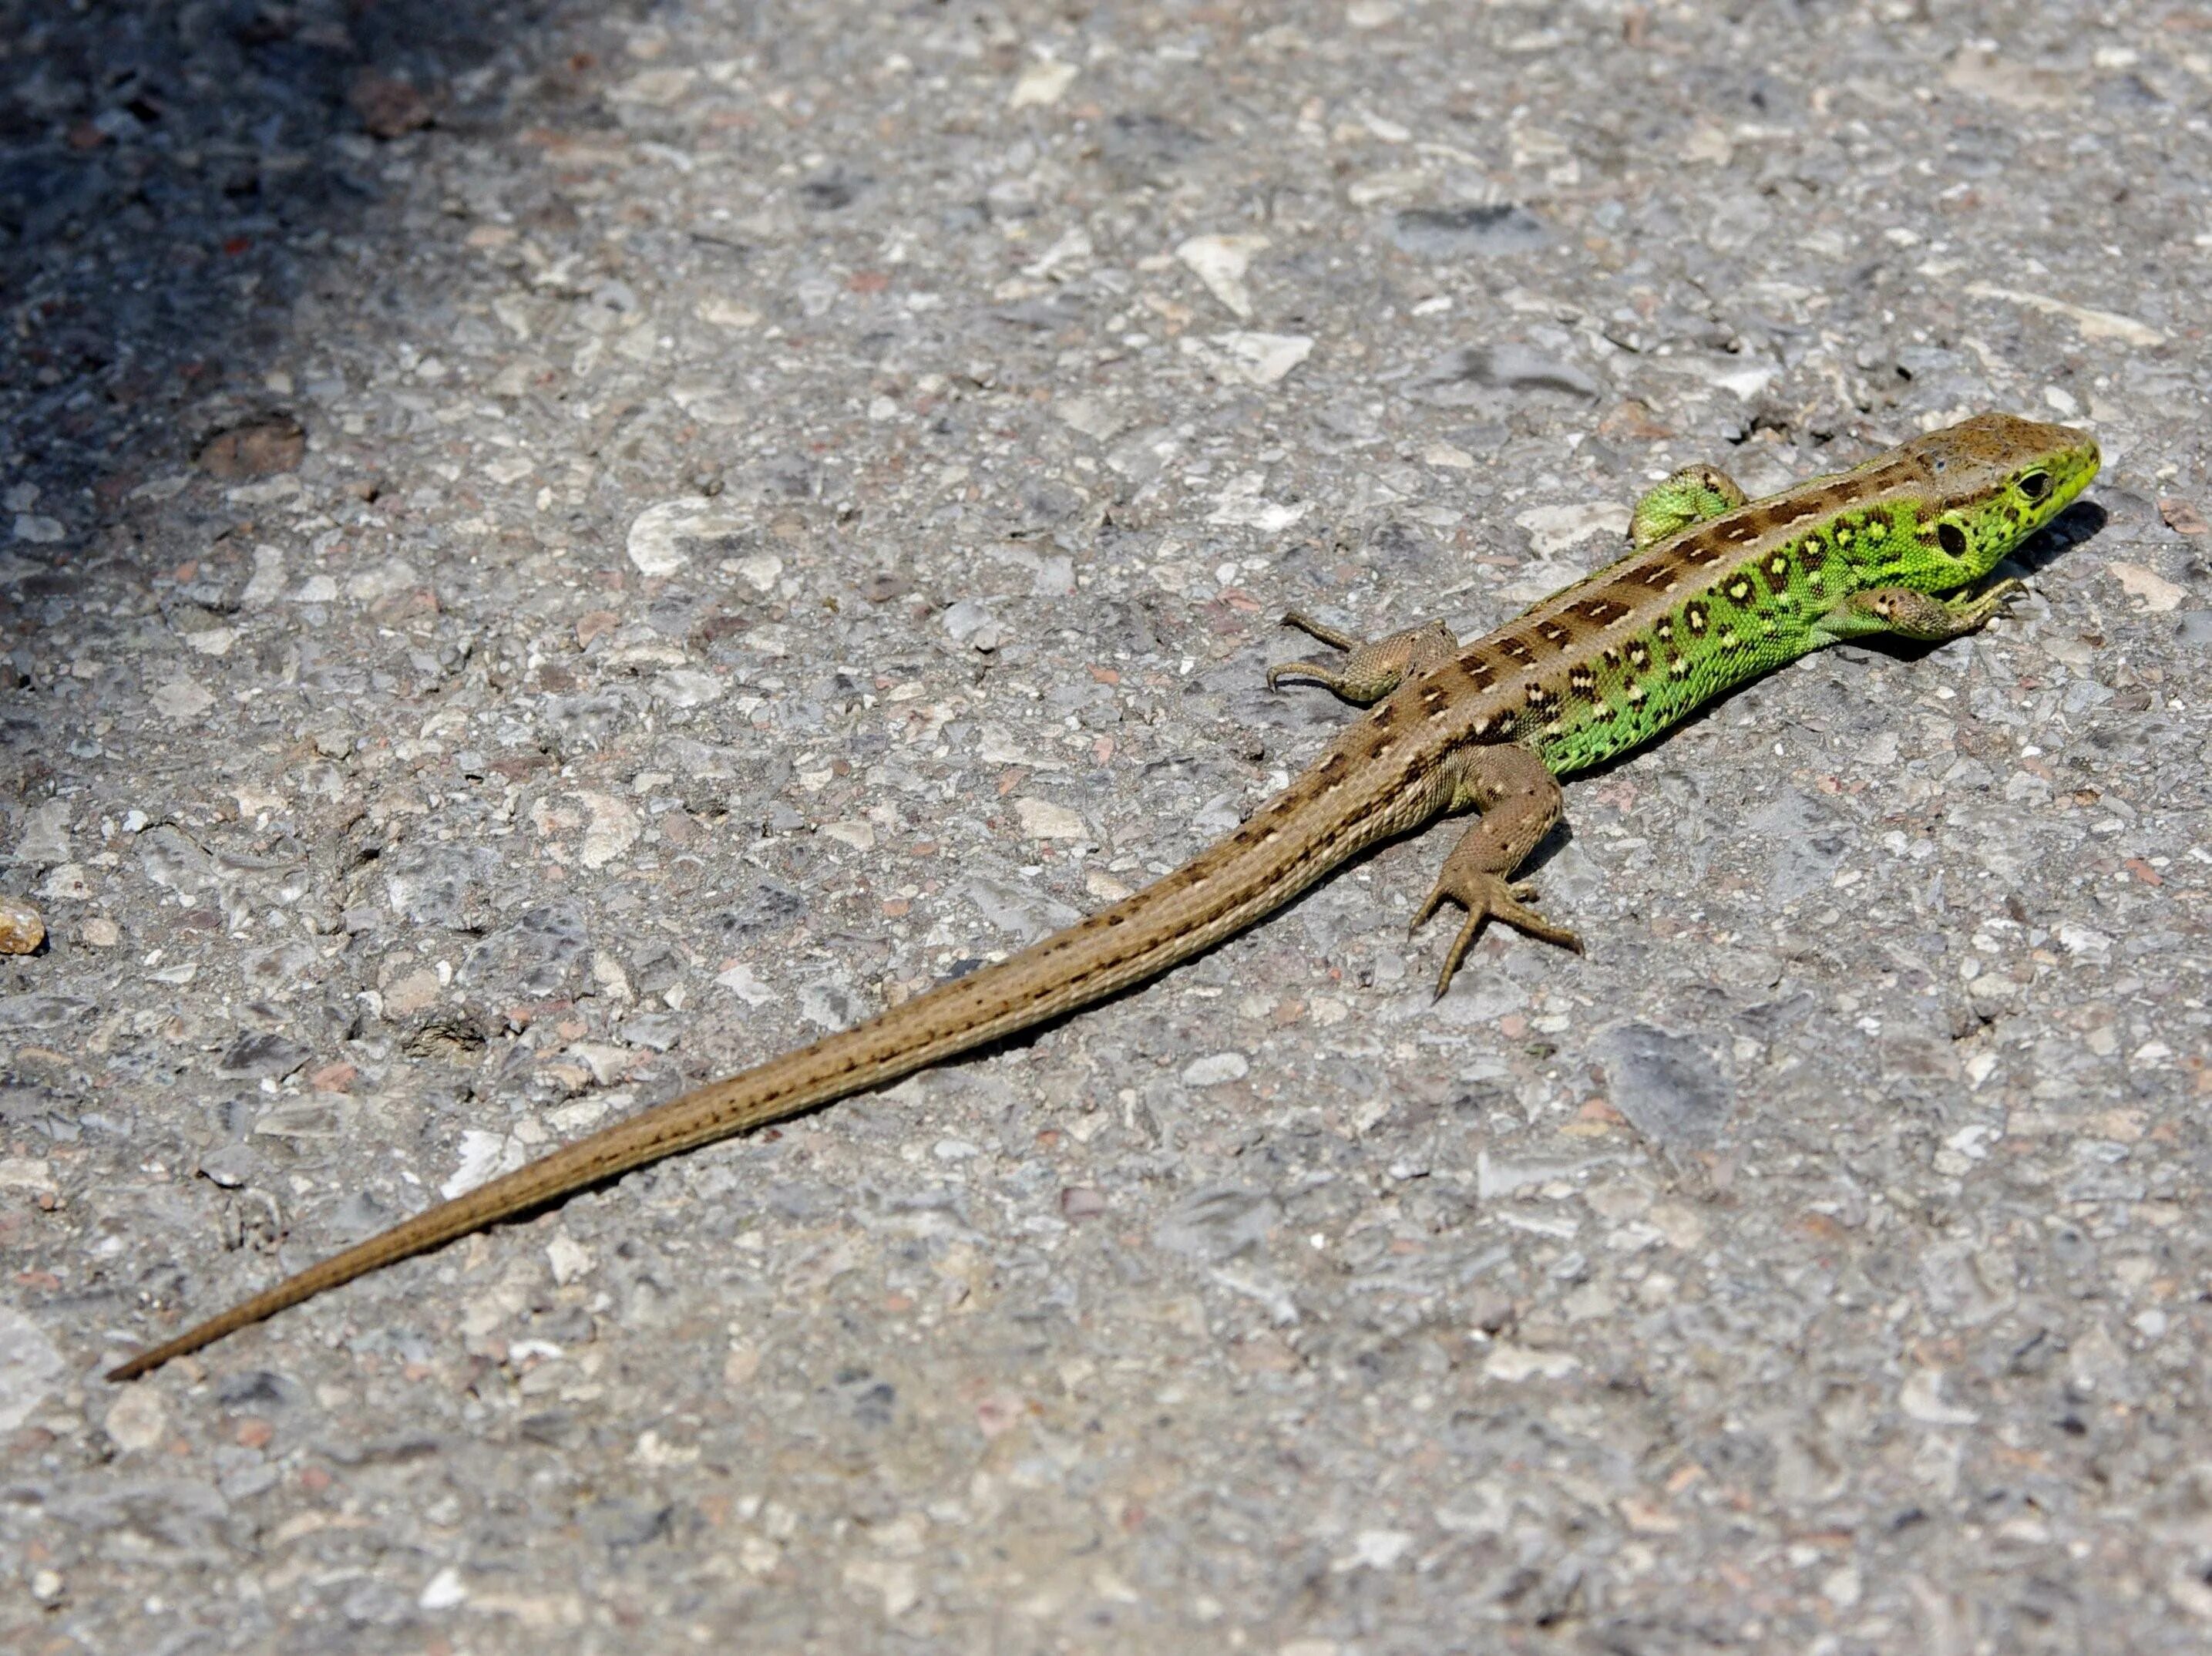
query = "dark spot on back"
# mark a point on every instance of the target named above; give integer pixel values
(1518, 648)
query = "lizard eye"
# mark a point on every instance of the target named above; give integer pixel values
(2035, 484)
(1952, 538)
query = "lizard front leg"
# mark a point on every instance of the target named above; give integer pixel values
(1370, 671)
(1904, 613)
(1519, 801)
(1692, 495)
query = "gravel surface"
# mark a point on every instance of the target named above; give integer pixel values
(559, 550)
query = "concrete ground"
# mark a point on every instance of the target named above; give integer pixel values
(559, 550)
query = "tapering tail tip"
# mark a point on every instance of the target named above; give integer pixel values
(152, 1357)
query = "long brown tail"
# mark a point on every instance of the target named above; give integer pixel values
(783, 1087)
(1220, 892)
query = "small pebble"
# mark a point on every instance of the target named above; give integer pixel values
(22, 927)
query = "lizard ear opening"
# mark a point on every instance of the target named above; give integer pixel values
(1952, 538)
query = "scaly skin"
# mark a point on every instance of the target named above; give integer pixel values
(1715, 591)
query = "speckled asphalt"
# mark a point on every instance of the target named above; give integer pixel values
(559, 550)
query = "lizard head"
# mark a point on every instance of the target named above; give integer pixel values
(1991, 482)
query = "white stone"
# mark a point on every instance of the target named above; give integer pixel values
(1042, 819)
(688, 687)
(2093, 323)
(1552, 529)
(68, 882)
(659, 88)
(181, 699)
(1513, 1363)
(30, 1368)
(658, 533)
(483, 1156)
(1220, 262)
(2158, 594)
(139, 1419)
(613, 829)
(444, 1590)
(1921, 1398)
(740, 981)
(393, 576)
(1241, 505)
(1378, 1549)
(1215, 1068)
(569, 1258)
(759, 572)
(1041, 84)
(45, 836)
(1253, 359)
(726, 313)
(712, 403)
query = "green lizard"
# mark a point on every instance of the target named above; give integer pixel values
(1714, 590)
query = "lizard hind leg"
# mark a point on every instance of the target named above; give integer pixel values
(1519, 801)
(1370, 671)
(1692, 495)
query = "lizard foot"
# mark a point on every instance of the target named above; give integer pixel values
(1487, 897)
(1904, 613)
(1370, 671)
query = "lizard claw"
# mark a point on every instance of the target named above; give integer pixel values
(1487, 897)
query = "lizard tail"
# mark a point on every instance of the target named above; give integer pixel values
(783, 1087)
(1221, 892)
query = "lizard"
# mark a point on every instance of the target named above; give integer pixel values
(1714, 589)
